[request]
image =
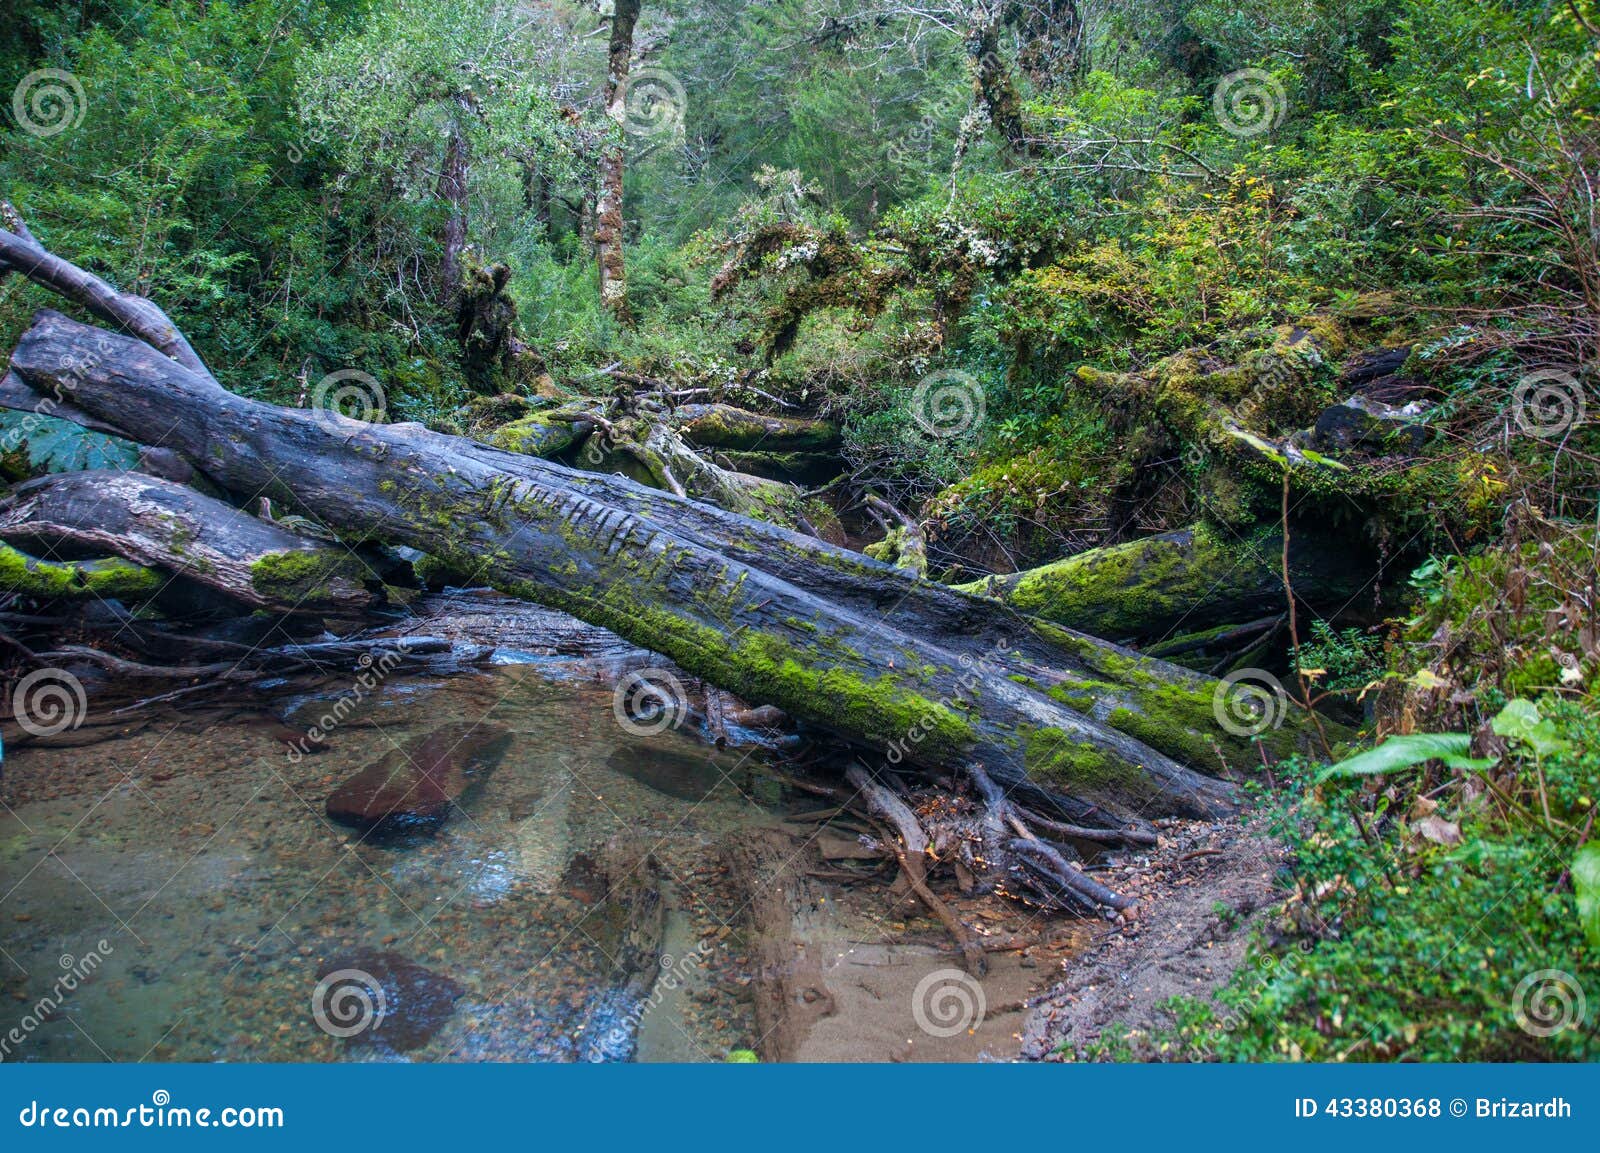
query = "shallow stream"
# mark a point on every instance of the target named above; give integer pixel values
(223, 894)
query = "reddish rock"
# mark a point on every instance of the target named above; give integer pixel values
(396, 1004)
(413, 787)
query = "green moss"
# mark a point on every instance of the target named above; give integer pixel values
(766, 667)
(538, 434)
(114, 577)
(1130, 589)
(1057, 758)
(296, 575)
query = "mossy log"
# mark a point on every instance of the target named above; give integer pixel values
(838, 641)
(1181, 581)
(31, 576)
(723, 426)
(154, 522)
(543, 434)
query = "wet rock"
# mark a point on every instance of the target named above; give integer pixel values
(412, 788)
(683, 775)
(1361, 423)
(390, 1001)
(1376, 374)
(582, 879)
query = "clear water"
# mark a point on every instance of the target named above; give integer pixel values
(203, 859)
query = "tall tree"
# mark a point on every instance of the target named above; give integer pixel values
(608, 209)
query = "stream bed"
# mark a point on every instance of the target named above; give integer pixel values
(199, 880)
(180, 893)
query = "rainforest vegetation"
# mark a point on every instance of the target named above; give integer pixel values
(1202, 394)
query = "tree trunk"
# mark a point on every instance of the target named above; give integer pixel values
(452, 189)
(839, 642)
(723, 426)
(156, 522)
(1184, 581)
(992, 83)
(608, 209)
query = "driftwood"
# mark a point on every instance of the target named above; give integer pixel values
(155, 522)
(911, 852)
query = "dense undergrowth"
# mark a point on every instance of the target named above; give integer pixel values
(1136, 317)
(1444, 908)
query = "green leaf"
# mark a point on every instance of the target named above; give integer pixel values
(1261, 446)
(1586, 883)
(1412, 749)
(1325, 461)
(56, 445)
(1520, 721)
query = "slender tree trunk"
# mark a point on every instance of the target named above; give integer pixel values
(453, 191)
(608, 210)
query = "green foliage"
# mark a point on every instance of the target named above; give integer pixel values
(55, 445)
(1348, 659)
(1586, 889)
(1432, 908)
(1413, 749)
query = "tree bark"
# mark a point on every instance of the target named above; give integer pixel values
(1183, 581)
(992, 82)
(452, 189)
(830, 646)
(155, 522)
(608, 209)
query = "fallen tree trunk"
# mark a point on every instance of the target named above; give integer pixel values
(1180, 581)
(537, 531)
(723, 426)
(155, 522)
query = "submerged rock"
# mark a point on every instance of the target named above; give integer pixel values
(391, 1001)
(683, 775)
(412, 788)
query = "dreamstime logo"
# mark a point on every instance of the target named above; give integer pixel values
(649, 702)
(1249, 102)
(48, 102)
(347, 1002)
(947, 1002)
(599, 444)
(650, 102)
(48, 701)
(349, 392)
(1548, 1001)
(1248, 702)
(1547, 402)
(947, 403)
